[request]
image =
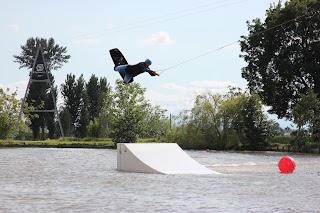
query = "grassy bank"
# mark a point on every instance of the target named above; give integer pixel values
(69, 142)
(61, 143)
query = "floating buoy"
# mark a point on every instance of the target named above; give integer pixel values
(287, 165)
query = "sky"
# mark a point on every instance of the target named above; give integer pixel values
(175, 35)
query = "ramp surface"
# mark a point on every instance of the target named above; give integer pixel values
(161, 158)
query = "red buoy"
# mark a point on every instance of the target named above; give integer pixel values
(287, 165)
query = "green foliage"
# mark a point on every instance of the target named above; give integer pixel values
(232, 118)
(54, 55)
(300, 140)
(205, 120)
(83, 117)
(76, 101)
(68, 142)
(150, 140)
(127, 115)
(312, 145)
(128, 112)
(123, 115)
(282, 54)
(281, 140)
(306, 114)
(84, 102)
(256, 126)
(93, 128)
(96, 90)
(8, 113)
(155, 123)
(65, 118)
(92, 88)
(71, 96)
(306, 110)
(105, 114)
(233, 121)
(188, 137)
(276, 129)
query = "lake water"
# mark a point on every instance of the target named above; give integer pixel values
(86, 180)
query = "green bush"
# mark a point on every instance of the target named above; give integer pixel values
(280, 140)
(312, 145)
(149, 140)
(93, 129)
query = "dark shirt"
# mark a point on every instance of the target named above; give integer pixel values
(137, 69)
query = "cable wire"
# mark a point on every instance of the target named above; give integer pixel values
(222, 47)
(109, 31)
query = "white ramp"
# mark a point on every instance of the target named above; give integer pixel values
(161, 158)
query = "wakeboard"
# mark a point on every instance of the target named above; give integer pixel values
(118, 59)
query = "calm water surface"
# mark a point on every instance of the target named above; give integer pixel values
(86, 180)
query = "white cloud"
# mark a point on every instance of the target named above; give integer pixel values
(173, 86)
(160, 38)
(175, 97)
(212, 84)
(198, 87)
(20, 87)
(13, 27)
(173, 102)
(86, 41)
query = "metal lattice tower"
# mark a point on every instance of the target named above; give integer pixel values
(39, 74)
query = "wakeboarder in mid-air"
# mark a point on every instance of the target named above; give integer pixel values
(127, 71)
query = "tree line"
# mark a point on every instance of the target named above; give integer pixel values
(223, 122)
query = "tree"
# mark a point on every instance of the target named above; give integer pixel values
(96, 90)
(232, 121)
(206, 116)
(73, 92)
(128, 112)
(232, 118)
(307, 110)
(54, 55)
(83, 113)
(155, 123)
(92, 88)
(283, 54)
(39, 94)
(70, 96)
(93, 129)
(65, 118)
(8, 113)
(256, 126)
(106, 113)
(205, 125)
(276, 129)
(306, 114)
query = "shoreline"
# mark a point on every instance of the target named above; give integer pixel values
(87, 146)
